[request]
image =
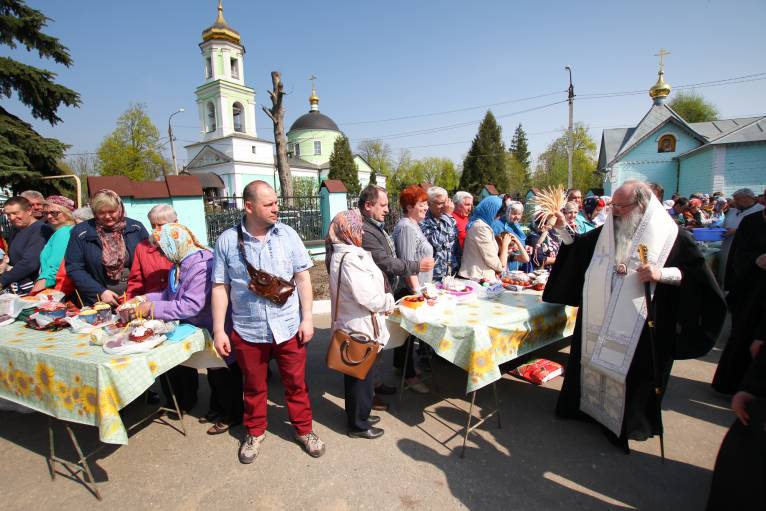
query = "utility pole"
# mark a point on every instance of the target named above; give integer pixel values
(172, 145)
(570, 136)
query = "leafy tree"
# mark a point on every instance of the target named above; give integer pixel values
(693, 107)
(552, 163)
(25, 156)
(133, 148)
(378, 155)
(342, 166)
(305, 186)
(518, 175)
(485, 162)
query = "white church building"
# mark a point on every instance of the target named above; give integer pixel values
(230, 154)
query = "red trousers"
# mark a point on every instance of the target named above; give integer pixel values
(253, 359)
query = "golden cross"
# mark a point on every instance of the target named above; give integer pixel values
(661, 54)
(313, 81)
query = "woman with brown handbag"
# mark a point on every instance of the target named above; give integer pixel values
(359, 302)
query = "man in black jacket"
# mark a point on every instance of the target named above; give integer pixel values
(373, 204)
(27, 239)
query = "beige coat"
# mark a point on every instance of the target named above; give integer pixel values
(480, 259)
(362, 292)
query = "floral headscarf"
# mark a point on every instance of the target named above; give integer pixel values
(177, 242)
(345, 229)
(114, 253)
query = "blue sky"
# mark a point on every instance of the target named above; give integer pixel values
(377, 61)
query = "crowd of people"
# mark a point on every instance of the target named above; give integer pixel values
(98, 254)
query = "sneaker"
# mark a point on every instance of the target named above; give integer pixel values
(248, 451)
(312, 444)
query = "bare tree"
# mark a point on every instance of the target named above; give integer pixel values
(277, 115)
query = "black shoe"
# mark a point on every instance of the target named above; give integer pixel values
(385, 390)
(373, 419)
(368, 433)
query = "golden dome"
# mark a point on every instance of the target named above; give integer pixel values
(661, 89)
(220, 29)
(313, 99)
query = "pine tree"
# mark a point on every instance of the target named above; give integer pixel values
(342, 166)
(520, 164)
(25, 156)
(485, 162)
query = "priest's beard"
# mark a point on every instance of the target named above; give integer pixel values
(624, 228)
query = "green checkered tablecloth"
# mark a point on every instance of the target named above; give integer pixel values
(478, 336)
(61, 374)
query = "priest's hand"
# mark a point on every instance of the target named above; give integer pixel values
(739, 405)
(648, 273)
(561, 221)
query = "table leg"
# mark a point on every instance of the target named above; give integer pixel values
(404, 367)
(175, 403)
(468, 425)
(80, 466)
(497, 405)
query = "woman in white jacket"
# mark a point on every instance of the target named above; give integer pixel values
(362, 300)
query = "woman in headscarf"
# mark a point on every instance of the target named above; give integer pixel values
(519, 259)
(483, 258)
(587, 219)
(544, 244)
(58, 212)
(187, 299)
(359, 301)
(100, 250)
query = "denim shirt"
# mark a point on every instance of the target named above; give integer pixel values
(282, 253)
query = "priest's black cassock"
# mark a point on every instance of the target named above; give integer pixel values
(747, 284)
(688, 320)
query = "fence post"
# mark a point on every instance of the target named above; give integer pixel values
(332, 193)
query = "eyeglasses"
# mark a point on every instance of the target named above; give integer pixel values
(622, 206)
(52, 213)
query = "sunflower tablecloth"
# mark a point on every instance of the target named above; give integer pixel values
(478, 336)
(61, 374)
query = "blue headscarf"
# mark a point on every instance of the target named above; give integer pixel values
(487, 211)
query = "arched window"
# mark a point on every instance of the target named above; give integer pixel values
(667, 144)
(211, 124)
(208, 67)
(236, 111)
(234, 63)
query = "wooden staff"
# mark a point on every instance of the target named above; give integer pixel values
(643, 256)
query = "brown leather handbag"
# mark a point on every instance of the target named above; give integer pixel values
(275, 289)
(351, 353)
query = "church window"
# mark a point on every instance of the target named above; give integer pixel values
(211, 124)
(297, 150)
(667, 144)
(234, 68)
(236, 111)
(317, 147)
(208, 67)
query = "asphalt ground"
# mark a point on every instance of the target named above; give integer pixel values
(535, 461)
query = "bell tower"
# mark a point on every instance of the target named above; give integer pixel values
(226, 105)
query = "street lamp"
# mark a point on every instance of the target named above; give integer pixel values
(170, 137)
(570, 142)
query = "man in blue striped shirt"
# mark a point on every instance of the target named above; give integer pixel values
(262, 329)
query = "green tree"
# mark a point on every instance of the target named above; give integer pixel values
(552, 163)
(25, 156)
(133, 148)
(485, 162)
(437, 171)
(693, 107)
(305, 186)
(519, 165)
(342, 166)
(378, 155)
